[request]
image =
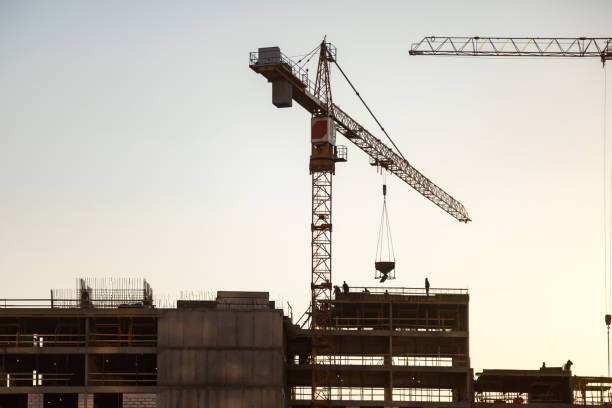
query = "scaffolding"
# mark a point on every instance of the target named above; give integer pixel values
(104, 332)
(390, 345)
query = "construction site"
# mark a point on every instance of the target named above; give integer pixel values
(394, 347)
(109, 343)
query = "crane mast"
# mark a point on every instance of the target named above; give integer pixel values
(322, 166)
(290, 83)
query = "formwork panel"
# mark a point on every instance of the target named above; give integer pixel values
(175, 332)
(188, 367)
(278, 369)
(216, 397)
(252, 398)
(233, 398)
(163, 363)
(202, 398)
(189, 398)
(262, 364)
(162, 399)
(237, 367)
(215, 367)
(226, 328)
(201, 365)
(272, 397)
(174, 367)
(277, 330)
(209, 329)
(268, 330)
(176, 400)
(245, 329)
(163, 328)
(192, 330)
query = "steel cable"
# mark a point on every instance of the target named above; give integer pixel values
(369, 110)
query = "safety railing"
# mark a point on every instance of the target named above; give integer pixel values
(365, 360)
(34, 379)
(423, 394)
(429, 360)
(70, 304)
(341, 153)
(412, 360)
(78, 340)
(399, 323)
(594, 395)
(42, 340)
(122, 378)
(32, 303)
(367, 290)
(501, 397)
(117, 340)
(282, 60)
(342, 393)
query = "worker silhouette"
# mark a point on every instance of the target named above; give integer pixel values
(345, 287)
(568, 365)
(336, 290)
(426, 287)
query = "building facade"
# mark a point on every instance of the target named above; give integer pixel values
(388, 347)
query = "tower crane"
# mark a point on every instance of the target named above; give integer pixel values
(290, 83)
(521, 47)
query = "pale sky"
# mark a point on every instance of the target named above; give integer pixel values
(135, 141)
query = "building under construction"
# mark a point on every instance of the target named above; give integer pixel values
(110, 346)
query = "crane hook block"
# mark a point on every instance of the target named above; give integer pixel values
(608, 320)
(384, 189)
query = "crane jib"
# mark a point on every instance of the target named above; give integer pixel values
(515, 47)
(386, 157)
(281, 68)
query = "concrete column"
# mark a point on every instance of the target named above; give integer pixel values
(87, 351)
(86, 400)
(389, 359)
(469, 391)
(139, 400)
(35, 400)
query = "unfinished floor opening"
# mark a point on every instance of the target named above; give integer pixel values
(13, 400)
(61, 401)
(108, 400)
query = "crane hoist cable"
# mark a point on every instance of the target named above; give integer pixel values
(384, 262)
(607, 228)
(369, 110)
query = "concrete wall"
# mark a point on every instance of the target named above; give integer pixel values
(35, 400)
(139, 400)
(86, 401)
(221, 358)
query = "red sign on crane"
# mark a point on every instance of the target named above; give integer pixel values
(323, 130)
